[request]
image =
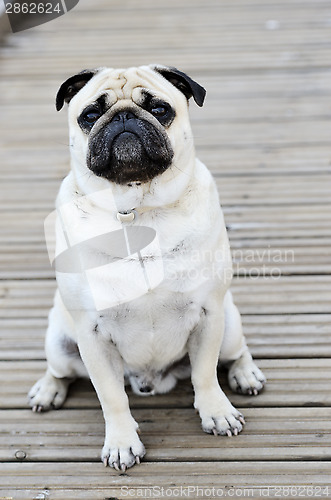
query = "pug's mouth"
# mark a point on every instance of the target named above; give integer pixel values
(129, 149)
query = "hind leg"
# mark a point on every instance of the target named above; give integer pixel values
(244, 376)
(63, 359)
(48, 393)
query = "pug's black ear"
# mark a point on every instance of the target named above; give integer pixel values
(184, 83)
(72, 86)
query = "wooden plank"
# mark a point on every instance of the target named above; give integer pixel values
(228, 39)
(245, 60)
(169, 435)
(286, 336)
(291, 382)
(252, 17)
(65, 480)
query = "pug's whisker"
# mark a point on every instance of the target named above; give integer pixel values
(180, 170)
(62, 144)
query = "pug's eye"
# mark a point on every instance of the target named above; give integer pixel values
(159, 111)
(90, 116)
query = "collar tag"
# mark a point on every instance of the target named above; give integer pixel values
(128, 216)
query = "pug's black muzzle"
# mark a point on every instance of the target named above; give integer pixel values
(129, 148)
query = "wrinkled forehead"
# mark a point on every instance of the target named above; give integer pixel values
(131, 83)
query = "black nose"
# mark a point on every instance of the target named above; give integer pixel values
(145, 389)
(123, 116)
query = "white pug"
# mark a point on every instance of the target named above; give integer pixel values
(142, 259)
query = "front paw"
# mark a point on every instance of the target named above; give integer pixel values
(221, 418)
(123, 451)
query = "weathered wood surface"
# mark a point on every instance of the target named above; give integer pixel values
(265, 134)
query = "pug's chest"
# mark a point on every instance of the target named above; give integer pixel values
(152, 330)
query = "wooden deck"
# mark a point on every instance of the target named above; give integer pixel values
(265, 133)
